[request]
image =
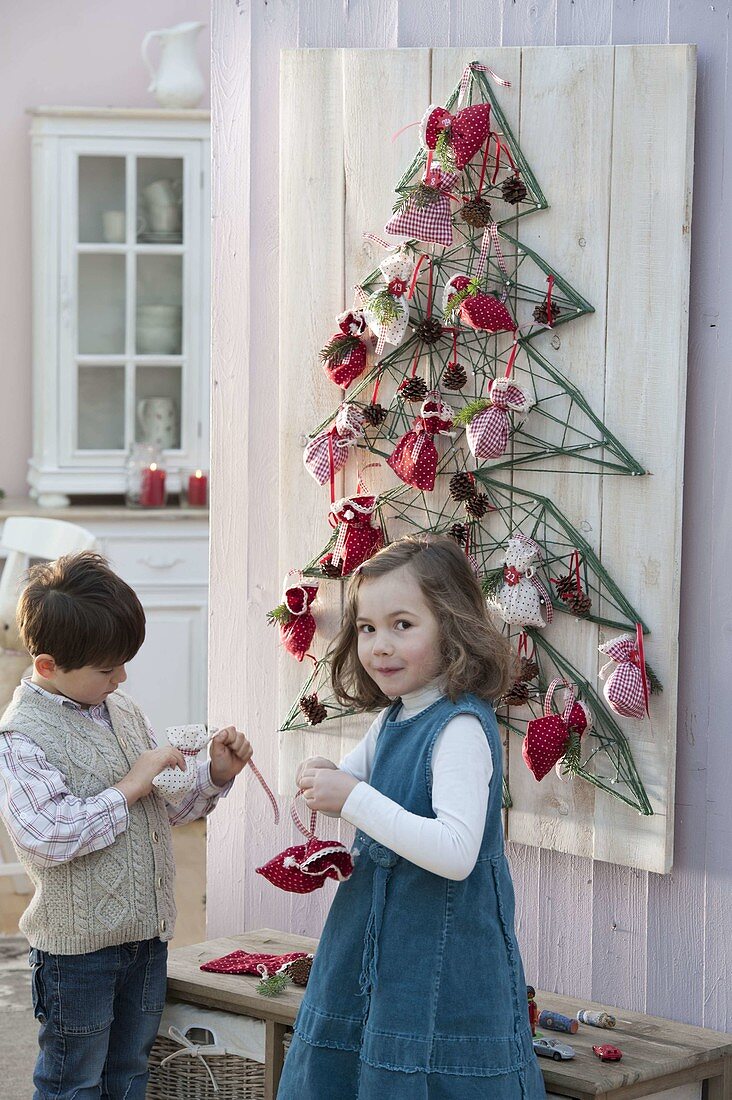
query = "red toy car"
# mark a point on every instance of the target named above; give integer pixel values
(608, 1053)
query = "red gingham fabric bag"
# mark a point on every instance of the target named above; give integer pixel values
(414, 459)
(328, 452)
(626, 688)
(488, 432)
(432, 222)
(547, 737)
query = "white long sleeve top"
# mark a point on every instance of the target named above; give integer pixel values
(462, 766)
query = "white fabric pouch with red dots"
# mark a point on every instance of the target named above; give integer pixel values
(173, 783)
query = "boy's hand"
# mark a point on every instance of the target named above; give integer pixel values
(229, 753)
(309, 764)
(138, 781)
(326, 789)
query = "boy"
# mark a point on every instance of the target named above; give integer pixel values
(92, 832)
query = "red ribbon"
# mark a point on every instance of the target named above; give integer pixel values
(642, 665)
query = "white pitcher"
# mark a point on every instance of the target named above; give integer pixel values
(159, 420)
(178, 81)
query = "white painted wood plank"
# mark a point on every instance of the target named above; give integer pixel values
(472, 21)
(649, 249)
(423, 23)
(347, 23)
(526, 23)
(636, 23)
(582, 23)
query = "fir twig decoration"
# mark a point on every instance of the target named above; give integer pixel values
(654, 684)
(457, 299)
(490, 581)
(572, 760)
(420, 196)
(384, 307)
(465, 415)
(338, 348)
(279, 615)
(274, 984)
(444, 151)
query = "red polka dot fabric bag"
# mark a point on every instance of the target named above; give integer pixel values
(474, 308)
(293, 614)
(548, 738)
(305, 867)
(414, 459)
(356, 537)
(463, 133)
(246, 962)
(346, 356)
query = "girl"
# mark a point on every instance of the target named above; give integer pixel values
(417, 991)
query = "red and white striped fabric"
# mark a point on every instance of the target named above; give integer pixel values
(626, 688)
(488, 431)
(414, 459)
(432, 222)
(328, 452)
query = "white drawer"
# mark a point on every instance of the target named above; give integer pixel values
(158, 560)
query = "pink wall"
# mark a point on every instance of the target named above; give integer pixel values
(76, 53)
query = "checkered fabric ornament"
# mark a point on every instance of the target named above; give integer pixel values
(521, 599)
(465, 132)
(547, 738)
(328, 452)
(305, 867)
(414, 458)
(477, 310)
(488, 431)
(626, 688)
(427, 216)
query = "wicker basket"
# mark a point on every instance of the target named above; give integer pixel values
(185, 1078)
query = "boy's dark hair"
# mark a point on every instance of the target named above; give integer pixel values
(80, 613)
(476, 657)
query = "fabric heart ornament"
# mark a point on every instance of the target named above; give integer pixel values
(174, 783)
(547, 738)
(356, 538)
(247, 962)
(328, 452)
(520, 598)
(465, 132)
(477, 310)
(626, 688)
(414, 459)
(305, 867)
(488, 430)
(293, 614)
(427, 215)
(346, 356)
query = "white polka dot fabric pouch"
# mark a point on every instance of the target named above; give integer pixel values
(173, 783)
(521, 598)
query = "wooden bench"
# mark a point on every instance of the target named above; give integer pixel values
(657, 1054)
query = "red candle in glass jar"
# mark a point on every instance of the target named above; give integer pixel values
(198, 490)
(152, 487)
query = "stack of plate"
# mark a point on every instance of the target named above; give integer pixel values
(158, 330)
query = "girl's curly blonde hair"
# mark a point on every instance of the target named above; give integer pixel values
(476, 657)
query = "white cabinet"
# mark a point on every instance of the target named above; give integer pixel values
(121, 203)
(163, 555)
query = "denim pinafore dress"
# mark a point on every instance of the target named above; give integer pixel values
(417, 991)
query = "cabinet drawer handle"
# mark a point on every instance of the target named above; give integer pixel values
(160, 563)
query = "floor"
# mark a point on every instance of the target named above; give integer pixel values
(19, 1031)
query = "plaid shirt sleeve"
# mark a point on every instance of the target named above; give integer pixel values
(42, 816)
(201, 800)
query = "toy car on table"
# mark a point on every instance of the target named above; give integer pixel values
(552, 1048)
(607, 1053)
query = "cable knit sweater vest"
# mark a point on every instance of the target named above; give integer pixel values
(123, 892)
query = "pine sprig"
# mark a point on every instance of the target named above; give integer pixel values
(444, 151)
(491, 580)
(280, 615)
(384, 307)
(338, 348)
(274, 984)
(572, 759)
(654, 684)
(456, 300)
(465, 415)
(420, 196)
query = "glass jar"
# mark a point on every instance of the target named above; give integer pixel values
(145, 482)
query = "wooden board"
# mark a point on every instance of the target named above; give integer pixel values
(630, 259)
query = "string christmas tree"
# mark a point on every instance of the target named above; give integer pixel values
(442, 383)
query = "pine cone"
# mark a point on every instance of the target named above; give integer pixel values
(374, 414)
(529, 670)
(454, 377)
(328, 569)
(477, 506)
(459, 531)
(579, 604)
(299, 970)
(514, 190)
(429, 330)
(311, 706)
(477, 213)
(462, 486)
(516, 696)
(565, 586)
(413, 389)
(541, 316)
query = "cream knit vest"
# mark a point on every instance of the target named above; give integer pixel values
(121, 893)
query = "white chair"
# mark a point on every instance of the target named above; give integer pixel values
(25, 538)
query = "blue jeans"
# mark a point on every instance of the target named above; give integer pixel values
(99, 1015)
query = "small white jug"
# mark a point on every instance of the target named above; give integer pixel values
(178, 81)
(158, 418)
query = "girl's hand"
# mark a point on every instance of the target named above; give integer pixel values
(229, 753)
(326, 789)
(309, 764)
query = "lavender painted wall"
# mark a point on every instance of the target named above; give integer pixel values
(80, 53)
(642, 941)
